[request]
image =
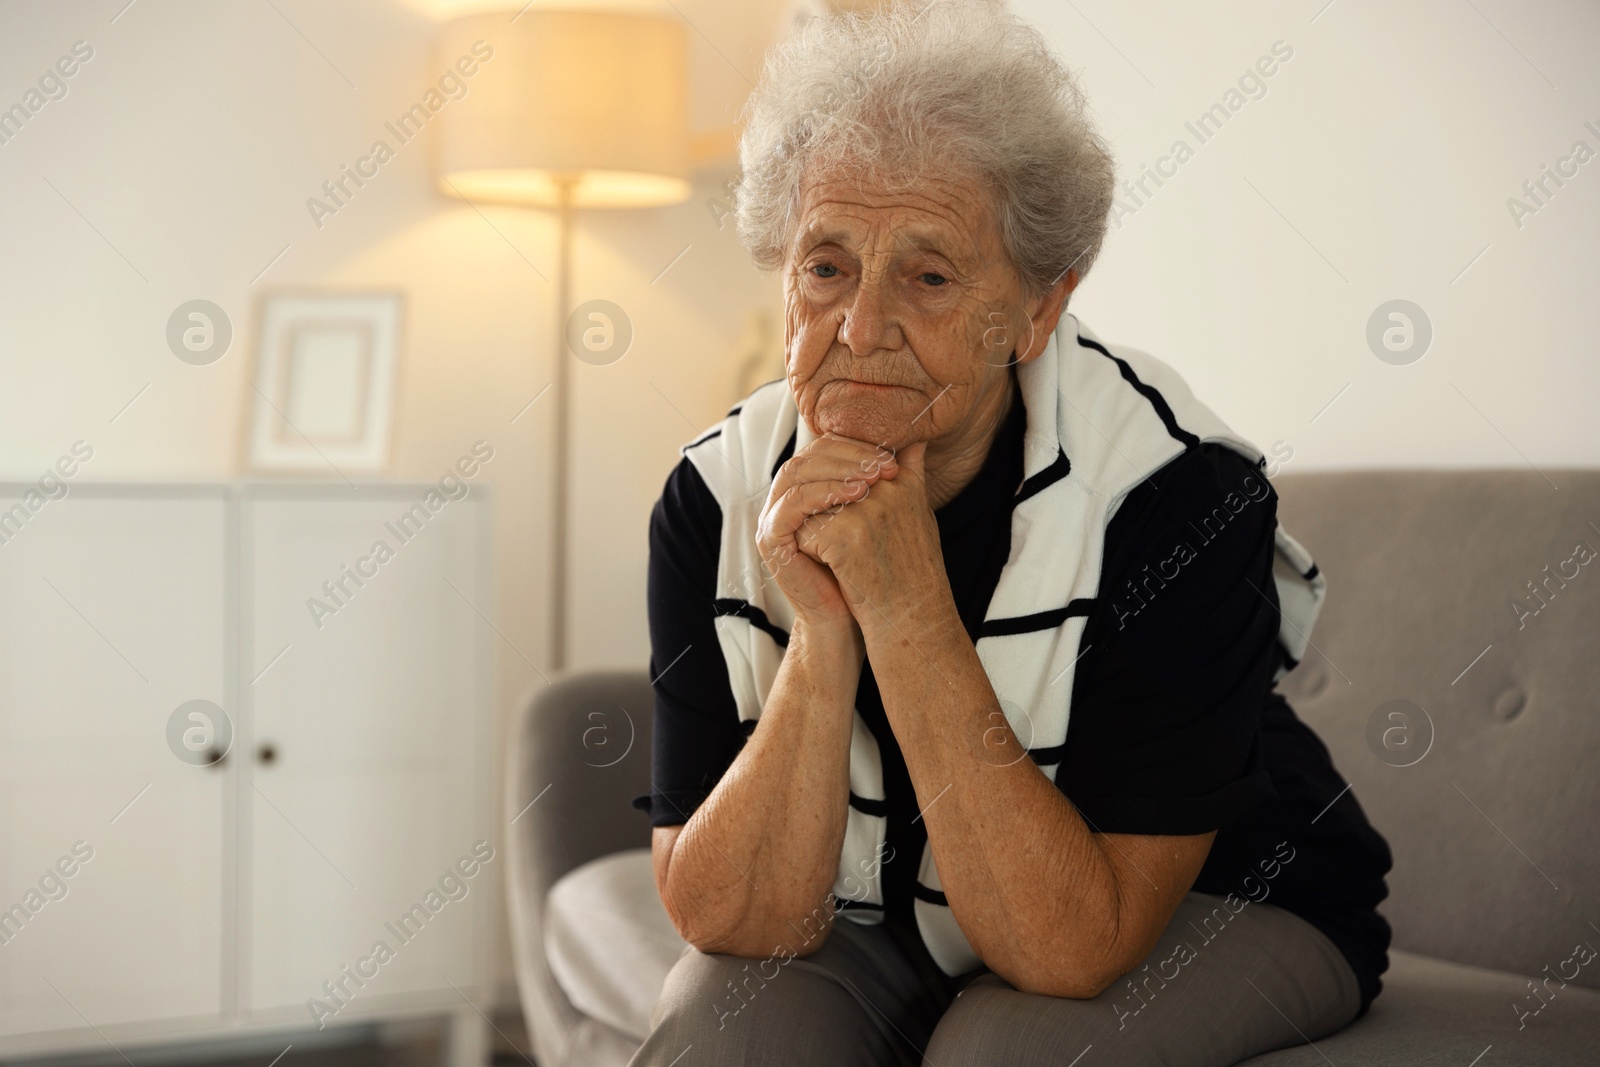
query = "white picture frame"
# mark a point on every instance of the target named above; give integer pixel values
(323, 391)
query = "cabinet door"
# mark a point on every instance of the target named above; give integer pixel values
(112, 614)
(371, 705)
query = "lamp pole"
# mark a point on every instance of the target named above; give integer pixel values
(533, 129)
(565, 185)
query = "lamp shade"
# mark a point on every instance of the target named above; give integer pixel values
(594, 101)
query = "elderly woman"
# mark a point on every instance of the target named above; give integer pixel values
(965, 634)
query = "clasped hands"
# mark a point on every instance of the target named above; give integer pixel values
(848, 534)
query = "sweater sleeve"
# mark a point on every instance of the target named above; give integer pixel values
(696, 731)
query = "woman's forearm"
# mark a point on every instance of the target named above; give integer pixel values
(1032, 889)
(751, 870)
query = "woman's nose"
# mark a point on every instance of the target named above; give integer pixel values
(869, 323)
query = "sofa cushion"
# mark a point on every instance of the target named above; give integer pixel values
(609, 941)
(1433, 1013)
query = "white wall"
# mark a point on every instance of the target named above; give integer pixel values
(1390, 141)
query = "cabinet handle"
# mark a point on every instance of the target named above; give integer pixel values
(266, 753)
(215, 756)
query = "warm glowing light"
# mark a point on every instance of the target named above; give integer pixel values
(597, 100)
(591, 188)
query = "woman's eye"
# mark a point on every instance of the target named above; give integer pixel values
(825, 270)
(933, 279)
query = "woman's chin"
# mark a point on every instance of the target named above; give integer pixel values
(861, 423)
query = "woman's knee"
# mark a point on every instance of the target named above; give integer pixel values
(712, 987)
(737, 1010)
(992, 1023)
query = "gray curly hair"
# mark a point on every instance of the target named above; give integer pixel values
(906, 90)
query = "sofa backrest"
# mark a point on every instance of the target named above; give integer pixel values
(1475, 597)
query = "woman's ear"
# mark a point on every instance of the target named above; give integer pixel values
(1045, 315)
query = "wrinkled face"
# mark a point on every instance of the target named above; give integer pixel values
(901, 309)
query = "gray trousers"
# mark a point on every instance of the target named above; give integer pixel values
(1222, 985)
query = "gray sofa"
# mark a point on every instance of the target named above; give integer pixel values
(1487, 787)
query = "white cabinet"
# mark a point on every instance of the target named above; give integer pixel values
(370, 715)
(348, 812)
(113, 611)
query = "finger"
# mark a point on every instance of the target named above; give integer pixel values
(832, 467)
(817, 539)
(854, 445)
(864, 455)
(870, 446)
(911, 457)
(801, 502)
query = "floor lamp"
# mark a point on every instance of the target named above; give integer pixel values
(571, 109)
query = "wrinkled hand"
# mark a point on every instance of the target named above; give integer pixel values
(883, 548)
(823, 480)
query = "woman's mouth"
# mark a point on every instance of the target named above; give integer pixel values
(868, 386)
